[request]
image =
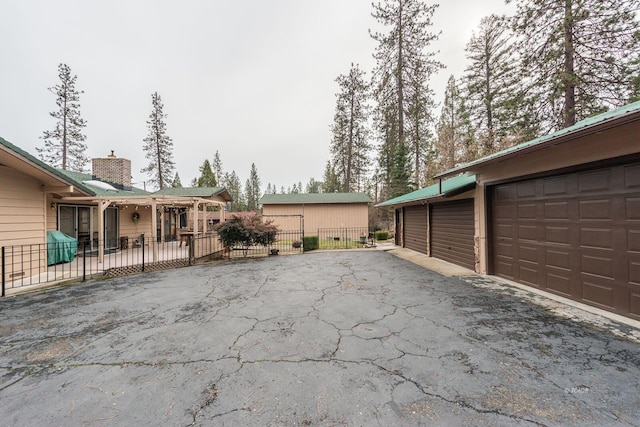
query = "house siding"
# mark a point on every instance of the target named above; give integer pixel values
(22, 217)
(22, 222)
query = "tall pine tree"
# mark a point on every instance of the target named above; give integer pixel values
(207, 177)
(579, 55)
(234, 188)
(64, 146)
(403, 69)
(455, 143)
(158, 146)
(252, 189)
(493, 84)
(330, 183)
(350, 146)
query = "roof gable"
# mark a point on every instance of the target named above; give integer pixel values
(26, 160)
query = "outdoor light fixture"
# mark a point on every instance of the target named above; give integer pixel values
(53, 206)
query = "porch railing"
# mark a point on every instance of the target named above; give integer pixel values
(31, 265)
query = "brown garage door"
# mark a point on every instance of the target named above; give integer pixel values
(415, 228)
(575, 234)
(452, 231)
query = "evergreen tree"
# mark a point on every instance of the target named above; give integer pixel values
(349, 146)
(420, 121)
(207, 177)
(331, 183)
(217, 168)
(579, 55)
(403, 68)
(252, 189)
(158, 146)
(64, 146)
(176, 181)
(455, 142)
(232, 184)
(313, 186)
(294, 189)
(493, 84)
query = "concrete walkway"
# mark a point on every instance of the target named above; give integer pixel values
(360, 338)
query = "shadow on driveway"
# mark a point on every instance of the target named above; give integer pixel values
(340, 338)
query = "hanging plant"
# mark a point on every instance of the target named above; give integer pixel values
(135, 217)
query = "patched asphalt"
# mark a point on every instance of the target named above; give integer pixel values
(355, 338)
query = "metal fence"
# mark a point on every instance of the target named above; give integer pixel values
(344, 238)
(287, 242)
(32, 265)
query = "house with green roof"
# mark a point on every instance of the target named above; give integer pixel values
(102, 210)
(559, 213)
(317, 211)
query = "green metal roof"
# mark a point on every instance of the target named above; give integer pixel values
(81, 177)
(60, 174)
(449, 186)
(539, 142)
(194, 192)
(313, 198)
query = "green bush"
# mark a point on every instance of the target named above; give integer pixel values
(310, 243)
(382, 235)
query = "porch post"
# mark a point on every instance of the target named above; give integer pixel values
(195, 217)
(102, 206)
(154, 229)
(162, 231)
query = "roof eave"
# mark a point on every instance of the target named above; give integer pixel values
(553, 141)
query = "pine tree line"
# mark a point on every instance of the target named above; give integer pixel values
(553, 63)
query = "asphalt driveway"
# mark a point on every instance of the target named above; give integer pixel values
(330, 339)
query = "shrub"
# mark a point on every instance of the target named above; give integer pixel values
(247, 229)
(382, 235)
(310, 243)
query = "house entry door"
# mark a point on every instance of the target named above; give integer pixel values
(75, 221)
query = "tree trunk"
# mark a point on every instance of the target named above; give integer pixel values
(569, 78)
(400, 85)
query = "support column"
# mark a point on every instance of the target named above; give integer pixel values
(154, 229)
(102, 206)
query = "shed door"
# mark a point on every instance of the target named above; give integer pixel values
(575, 234)
(452, 231)
(415, 228)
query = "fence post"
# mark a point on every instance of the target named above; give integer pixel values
(84, 261)
(3, 272)
(142, 240)
(190, 241)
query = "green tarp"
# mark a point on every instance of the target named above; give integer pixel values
(60, 247)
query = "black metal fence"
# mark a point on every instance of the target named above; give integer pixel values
(287, 242)
(344, 238)
(31, 265)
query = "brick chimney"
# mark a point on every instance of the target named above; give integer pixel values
(114, 170)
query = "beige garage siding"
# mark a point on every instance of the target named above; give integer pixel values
(342, 215)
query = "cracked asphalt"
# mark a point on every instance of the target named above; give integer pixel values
(356, 338)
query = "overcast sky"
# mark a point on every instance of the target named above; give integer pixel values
(252, 79)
